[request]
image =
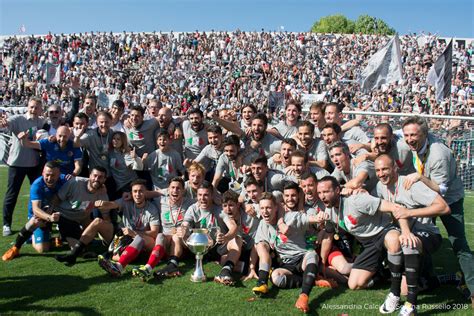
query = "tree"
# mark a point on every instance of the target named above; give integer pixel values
(333, 24)
(366, 24)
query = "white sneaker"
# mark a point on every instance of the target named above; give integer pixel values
(390, 305)
(407, 310)
(7, 231)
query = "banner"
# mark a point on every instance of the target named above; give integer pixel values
(308, 99)
(384, 67)
(441, 73)
(53, 74)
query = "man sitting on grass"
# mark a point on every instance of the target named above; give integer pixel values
(141, 222)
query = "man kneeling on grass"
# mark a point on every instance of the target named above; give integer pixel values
(205, 214)
(141, 221)
(298, 266)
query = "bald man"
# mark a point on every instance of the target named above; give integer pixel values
(62, 151)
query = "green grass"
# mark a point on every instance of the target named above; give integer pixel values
(37, 283)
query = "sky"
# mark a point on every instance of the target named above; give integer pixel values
(446, 18)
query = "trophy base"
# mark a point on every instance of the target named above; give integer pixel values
(198, 278)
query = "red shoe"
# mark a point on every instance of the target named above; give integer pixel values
(302, 303)
(11, 254)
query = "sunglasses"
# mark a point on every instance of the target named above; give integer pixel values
(53, 112)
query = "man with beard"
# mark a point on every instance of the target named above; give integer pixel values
(173, 206)
(385, 142)
(436, 167)
(331, 254)
(288, 127)
(228, 174)
(141, 223)
(55, 115)
(347, 173)
(42, 190)
(367, 219)
(270, 180)
(313, 147)
(165, 121)
(195, 135)
(76, 202)
(205, 214)
(96, 142)
(209, 156)
(281, 160)
(259, 142)
(423, 204)
(297, 266)
(89, 107)
(62, 151)
(22, 161)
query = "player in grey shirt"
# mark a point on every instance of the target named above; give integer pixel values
(173, 206)
(288, 127)
(164, 163)
(140, 132)
(195, 134)
(367, 219)
(314, 147)
(229, 166)
(209, 156)
(282, 160)
(422, 204)
(436, 167)
(76, 202)
(333, 114)
(22, 161)
(141, 223)
(300, 166)
(346, 172)
(286, 237)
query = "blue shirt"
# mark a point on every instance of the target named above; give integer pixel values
(40, 192)
(64, 157)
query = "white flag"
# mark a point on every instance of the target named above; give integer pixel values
(22, 29)
(384, 67)
(441, 73)
(53, 74)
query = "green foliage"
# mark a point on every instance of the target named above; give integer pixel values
(333, 24)
(364, 24)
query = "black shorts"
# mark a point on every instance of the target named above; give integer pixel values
(374, 249)
(430, 241)
(294, 266)
(68, 228)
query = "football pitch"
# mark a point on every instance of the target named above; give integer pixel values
(37, 283)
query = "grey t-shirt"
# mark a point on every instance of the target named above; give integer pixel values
(248, 227)
(285, 130)
(97, 147)
(76, 200)
(402, 155)
(143, 138)
(163, 167)
(367, 166)
(120, 168)
(360, 216)
(211, 219)
(21, 156)
(317, 151)
(290, 247)
(356, 133)
(172, 215)
(208, 157)
(419, 195)
(194, 142)
(139, 219)
(269, 145)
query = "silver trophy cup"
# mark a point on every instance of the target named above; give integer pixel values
(199, 243)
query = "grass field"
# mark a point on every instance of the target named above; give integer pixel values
(37, 283)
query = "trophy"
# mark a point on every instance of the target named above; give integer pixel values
(199, 243)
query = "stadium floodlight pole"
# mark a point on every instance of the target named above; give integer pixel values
(447, 117)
